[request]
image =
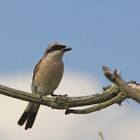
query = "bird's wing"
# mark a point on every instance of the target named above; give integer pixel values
(36, 68)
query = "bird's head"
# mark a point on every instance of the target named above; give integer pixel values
(56, 51)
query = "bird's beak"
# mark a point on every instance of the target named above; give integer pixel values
(67, 49)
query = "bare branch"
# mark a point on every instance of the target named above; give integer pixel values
(114, 94)
(60, 102)
(117, 99)
(122, 85)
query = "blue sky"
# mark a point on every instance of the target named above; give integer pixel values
(100, 32)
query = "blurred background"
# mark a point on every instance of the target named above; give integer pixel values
(100, 33)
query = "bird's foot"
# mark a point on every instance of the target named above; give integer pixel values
(65, 95)
(40, 98)
(54, 94)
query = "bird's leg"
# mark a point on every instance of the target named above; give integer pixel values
(40, 97)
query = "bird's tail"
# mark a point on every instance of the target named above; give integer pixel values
(29, 115)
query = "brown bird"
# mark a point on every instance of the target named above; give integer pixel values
(47, 75)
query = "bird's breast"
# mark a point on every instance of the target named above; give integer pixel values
(48, 76)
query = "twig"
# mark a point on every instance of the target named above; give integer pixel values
(101, 135)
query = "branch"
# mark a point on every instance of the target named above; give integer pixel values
(118, 99)
(124, 91)
(122, 85)
(60, 102)
(113, 94)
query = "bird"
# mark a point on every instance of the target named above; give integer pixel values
(47, 75)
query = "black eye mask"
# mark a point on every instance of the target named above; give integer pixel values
(56, 47)
(53, 48)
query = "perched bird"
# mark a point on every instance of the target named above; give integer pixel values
(47, 75)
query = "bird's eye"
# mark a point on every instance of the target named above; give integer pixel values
(55, 47)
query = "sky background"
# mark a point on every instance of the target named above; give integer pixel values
(104, 32)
